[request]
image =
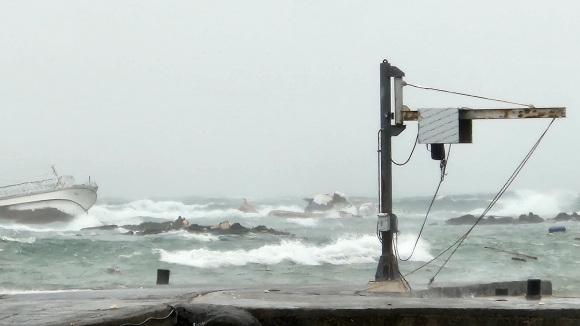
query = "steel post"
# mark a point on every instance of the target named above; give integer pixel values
(388, 268)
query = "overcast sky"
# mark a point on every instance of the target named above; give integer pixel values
(272, 98)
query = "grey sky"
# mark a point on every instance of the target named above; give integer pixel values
(270, 98)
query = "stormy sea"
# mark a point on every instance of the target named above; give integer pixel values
(331, 249)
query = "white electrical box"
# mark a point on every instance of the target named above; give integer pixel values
(439, 126)
(384, 222)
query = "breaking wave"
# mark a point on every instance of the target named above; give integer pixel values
(343, 251)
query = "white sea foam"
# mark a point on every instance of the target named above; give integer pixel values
(203, 237)
(2, 291)
(131, 213)
(303, 221)
(546, 205)
(405, 245)
(136, 253)
(21, 240)
(345, 250)
(136, 212)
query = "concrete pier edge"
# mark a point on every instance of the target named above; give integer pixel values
(467, 304)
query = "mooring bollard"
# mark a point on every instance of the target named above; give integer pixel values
(534, 290)
(162, 276)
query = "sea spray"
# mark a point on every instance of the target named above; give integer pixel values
(316, 251)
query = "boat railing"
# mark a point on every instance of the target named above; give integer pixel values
(36, 186)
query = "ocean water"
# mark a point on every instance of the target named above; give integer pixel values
(330, 250)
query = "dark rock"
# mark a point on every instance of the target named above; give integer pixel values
(102, 227)
(264, 229)
(462, 220)
(149, 227)
(530, 218)
(223, 228)
(561, 217)
(157, 227)
(214, 315)
(237, 228)
(197, 228)
(495, 220)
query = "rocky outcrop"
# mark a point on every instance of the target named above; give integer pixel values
(562, 217)
(223, 228)
(530, 218)
(492, 220)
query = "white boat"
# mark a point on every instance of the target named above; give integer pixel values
(45, 201)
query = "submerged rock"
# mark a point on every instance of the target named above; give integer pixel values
(102, 227)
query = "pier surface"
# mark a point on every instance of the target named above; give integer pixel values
(289, 305)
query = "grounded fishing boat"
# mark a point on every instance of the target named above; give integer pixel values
(45, 201)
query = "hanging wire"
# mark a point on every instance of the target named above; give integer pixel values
(504, 188)
(152, 318)
(410, 155)
(443, 167)
(465, 94)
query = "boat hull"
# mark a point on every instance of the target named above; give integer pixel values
(49, 206)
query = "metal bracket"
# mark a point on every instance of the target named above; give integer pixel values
(396, 72)
(396, 130)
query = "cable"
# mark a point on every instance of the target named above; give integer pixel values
(464, 94)
(443, 167)
(488, 208)
(379, 169)
(151, 318)
(410, 155)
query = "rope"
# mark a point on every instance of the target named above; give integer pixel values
(443, 167)
(150, 318)
(492, 203)
(410, 155)
(465, 94)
